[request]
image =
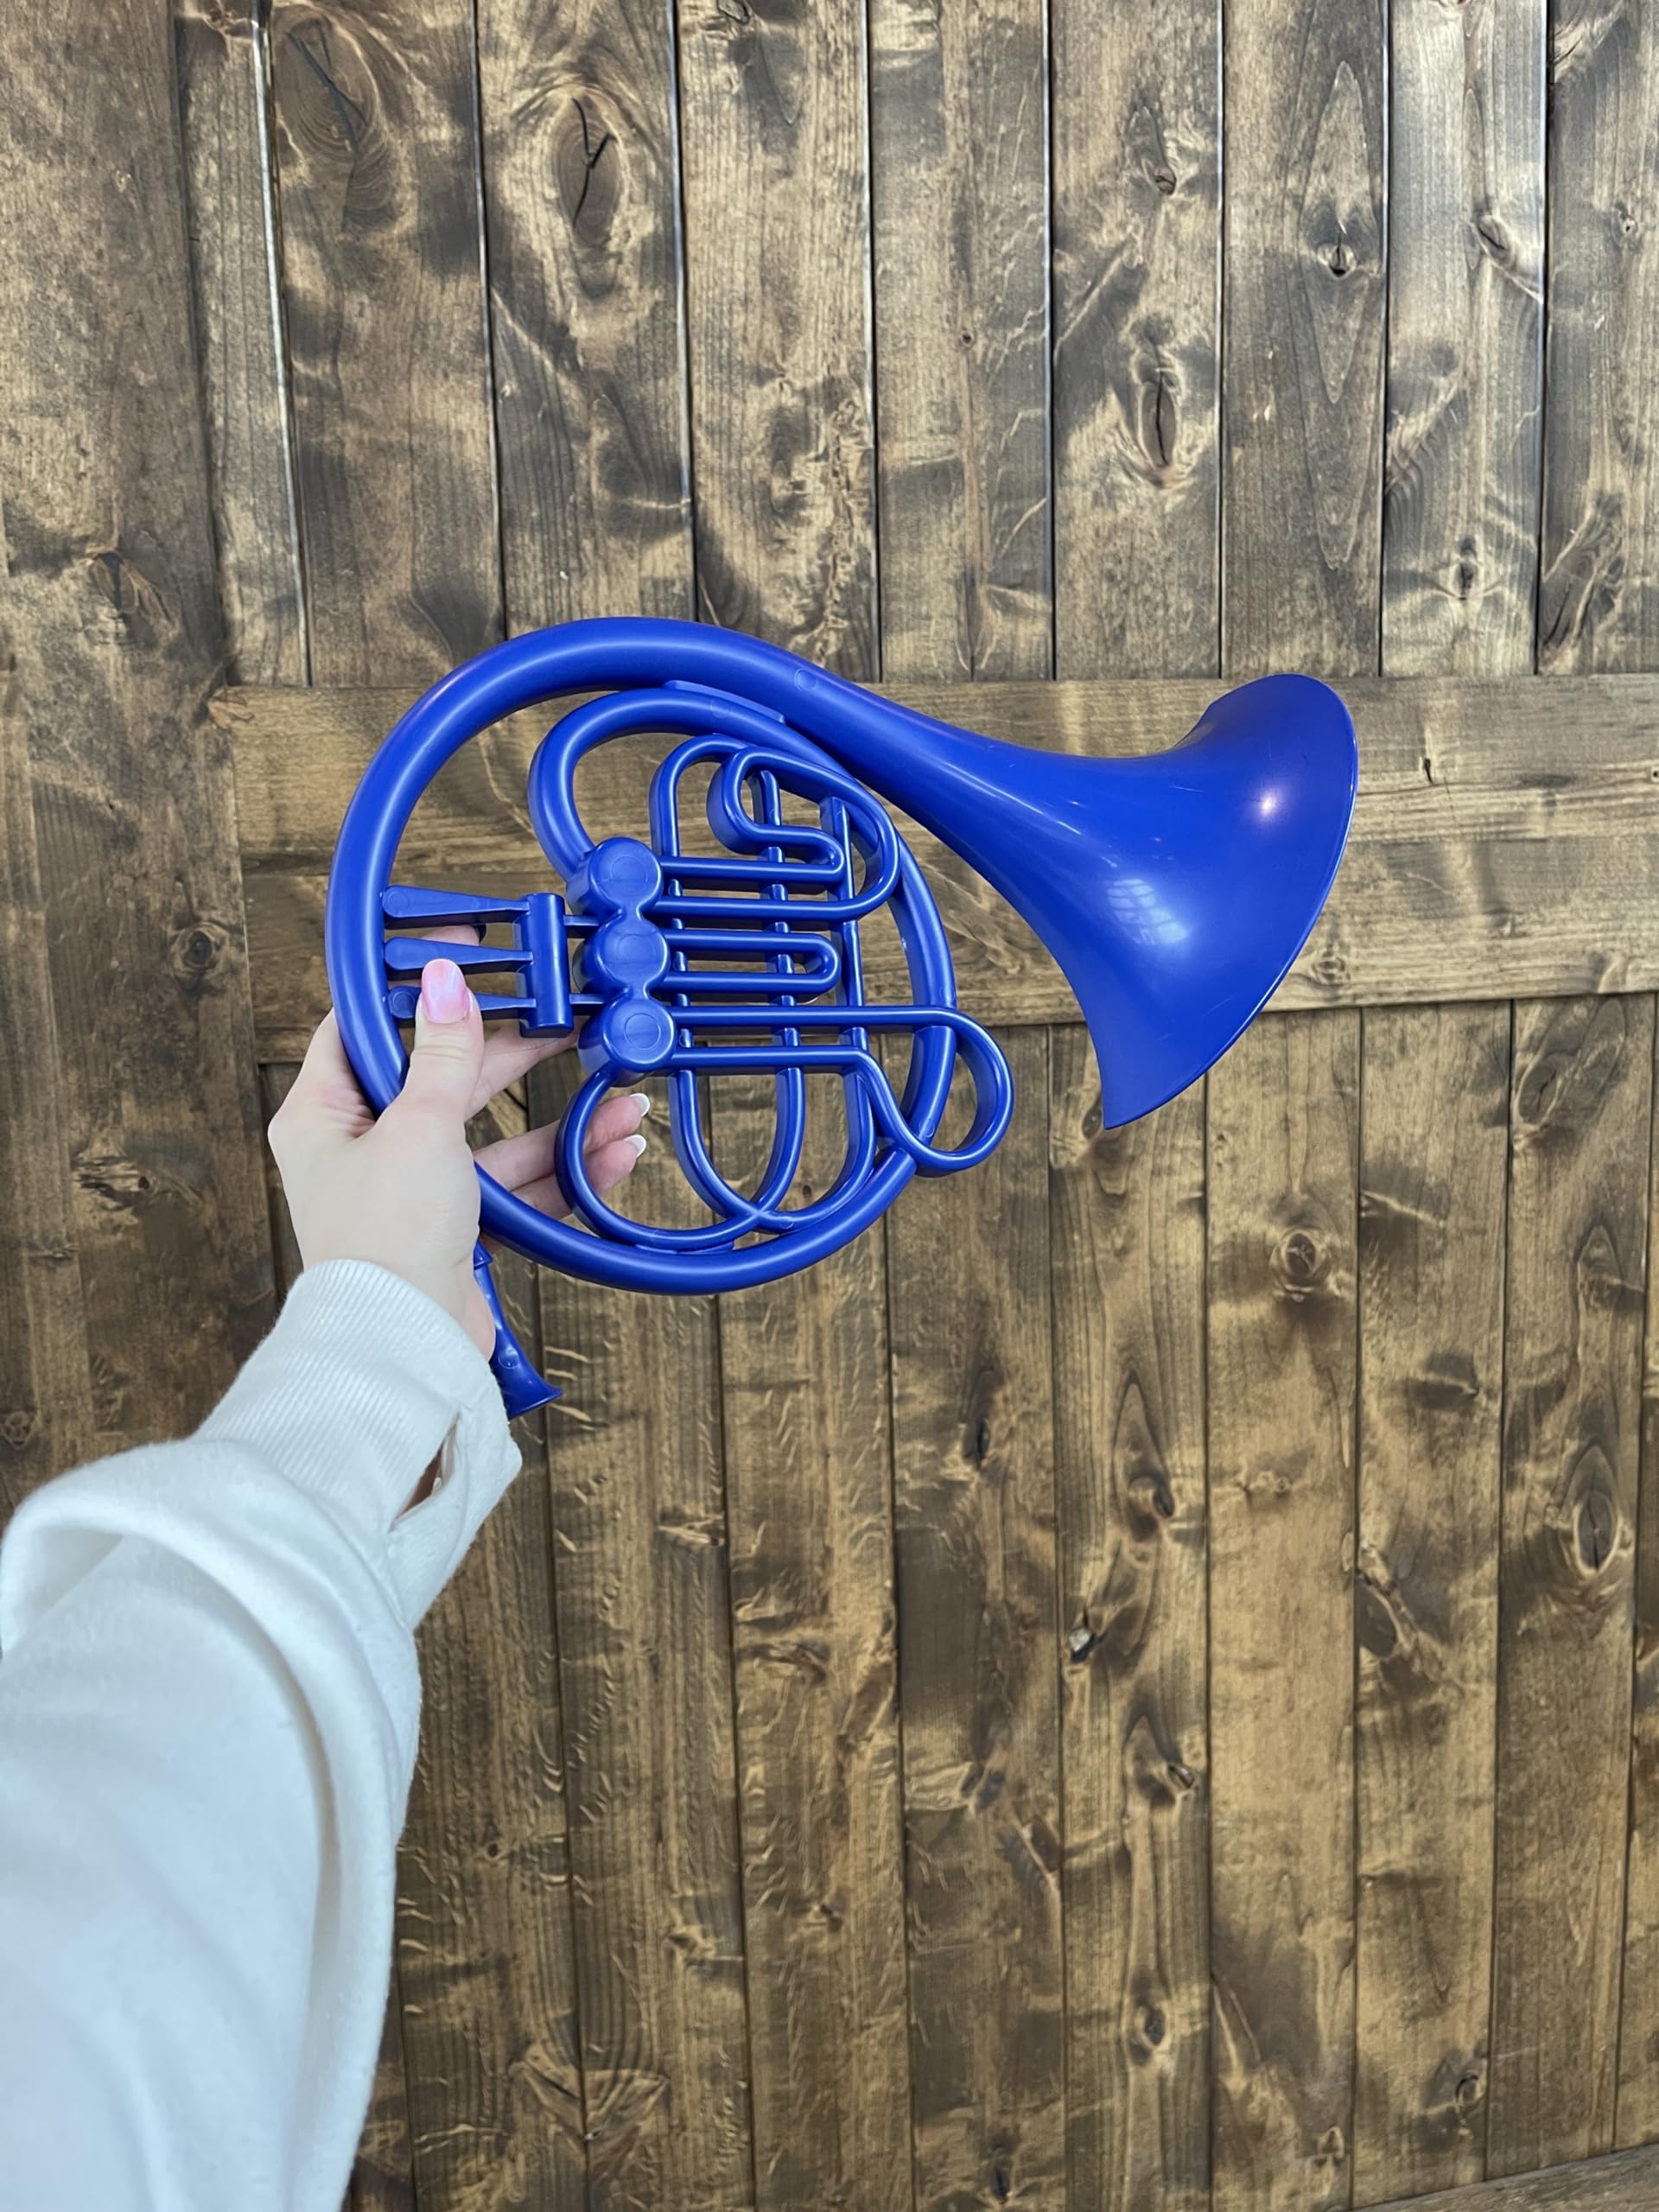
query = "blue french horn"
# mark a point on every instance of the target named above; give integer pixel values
(1173, 890)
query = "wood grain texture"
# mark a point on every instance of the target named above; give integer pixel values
(113, 644)
(978, 1628)
(1485, 854)
(774, 133)
(1580, 1117)
(46, 1402)
(1459, 581)
(1127, 1284)
(1305, 285)
(582, 196)
(1637, 2118)
(1630, 2183)
(223, 100)
(1137, 306)
(958, 102)
(1433, 1170)
(377, 165)
(377, 168)
(1465, 338)
(809, 1468)
(642, 1590)
(486, 1966)
(1283, 1138)
(1598, 604)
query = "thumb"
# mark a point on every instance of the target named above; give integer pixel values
(449, 1057)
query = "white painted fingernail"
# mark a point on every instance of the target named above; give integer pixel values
(642, 1100)
(637, 1140)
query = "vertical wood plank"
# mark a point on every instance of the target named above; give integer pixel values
(1127, 1275)
(376, 163)
(958, 115)
(1136, 431)
(960, 214)
(804, 1366)
(114, 641)
(591, 424)
(1583, 1080)
(1137, 305)
(777, 242)
(1305, 279)
(1466, 292)
(777, 215)
(974, 1478)
(1599, 605)
(645, 1640)
(1638, 2113)
(1434, 1175)
(582, 200)
(224, 113)
(1459, 581)
(1283, 1139)
(1137, 234)
(377, 167)
(46, 1412)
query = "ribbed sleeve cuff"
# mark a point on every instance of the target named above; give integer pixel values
(361, 1383)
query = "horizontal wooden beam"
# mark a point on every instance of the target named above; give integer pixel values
(1627, 2182)
(1506, 841)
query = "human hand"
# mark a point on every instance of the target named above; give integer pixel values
(400, 1191)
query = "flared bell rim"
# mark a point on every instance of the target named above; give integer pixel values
(1325, 728)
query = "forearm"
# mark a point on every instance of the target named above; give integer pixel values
(208, 1708)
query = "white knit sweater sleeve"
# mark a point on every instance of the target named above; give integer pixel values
(208, 1708)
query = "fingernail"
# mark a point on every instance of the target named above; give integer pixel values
(443, 992)
(642, 1100)
(637, 1140)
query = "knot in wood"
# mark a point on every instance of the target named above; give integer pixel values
(17, 1428)
(587, 165)
(1329, 966)
(195, 952)
(1300, 1260)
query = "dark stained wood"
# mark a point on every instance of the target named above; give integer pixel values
(1305, 283)
(958, 140)
(486, 1970)
(1137, 274)
(1638, 2113)
(377, 166)
(1434, 1171)
(1127, 1284)
(1599, 605)
(1583, 1085)
(1630, 2183)
(1488, 852)
(974, 1478)
(774, 141)
(582, 204)
(774, 147)
(46, 1411)
(1283, 1139)
(224, 98)
(581, 182)
(809, 1464)
(641, 1586)
(959, 224)
(1465, 338)
(113, 642)
(1459, 581)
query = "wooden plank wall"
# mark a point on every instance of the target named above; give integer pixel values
(1136, 1686)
